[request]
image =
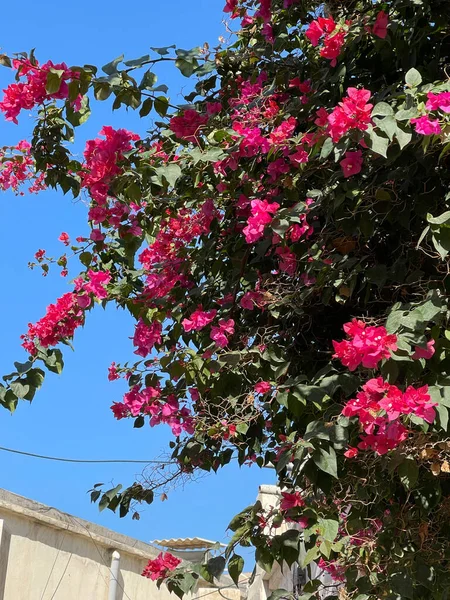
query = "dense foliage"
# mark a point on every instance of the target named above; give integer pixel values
(282, 243)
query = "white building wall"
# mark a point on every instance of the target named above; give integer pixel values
(49, 555)
(281, 577)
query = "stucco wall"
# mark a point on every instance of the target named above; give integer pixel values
(49, 555)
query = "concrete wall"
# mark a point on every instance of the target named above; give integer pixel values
(49, 555)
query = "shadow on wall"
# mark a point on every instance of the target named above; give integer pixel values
(60, 558)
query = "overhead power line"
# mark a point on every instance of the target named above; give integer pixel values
(85, 460)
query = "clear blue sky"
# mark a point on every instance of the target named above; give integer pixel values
(70, 416)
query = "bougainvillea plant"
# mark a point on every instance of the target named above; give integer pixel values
(282, 241)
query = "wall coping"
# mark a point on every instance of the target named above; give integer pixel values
(57, 519)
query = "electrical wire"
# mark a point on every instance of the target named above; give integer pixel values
(62, 576)
(79, 523)
(82, 460)
(54, 562)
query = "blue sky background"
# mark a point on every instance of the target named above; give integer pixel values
(70, 416)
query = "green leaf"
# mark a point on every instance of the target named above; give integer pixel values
(382, 109)
(22, 368)
(402, 584)
(378, 143)
(148, 81)
(328, 528)
(235, 567)
(102, 90)
(147, 106)
(53, 82)
(428, 496)
(162, 51)
(54, 361)
(5, 61)
(187, 582)
(10, 400)
(186, 67)
(409, 473)
(326, 461)
(215, 566)
(171, 172)
(161, 105)
(110, 498)
(111, 67)
(413, 78)
(403, 137)
(78, 117)
(85, 258)
(19, 388)
(35, 378)
(280, 594)
(137, 62)
(407, 115)
(443, 404)
(264, 558)
(326, 548)
(442, 219)
(312, 393)
(312, 554)
(388, 125)
(327, 148)
(230, 358)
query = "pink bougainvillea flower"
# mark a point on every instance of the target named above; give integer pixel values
(367, 345)
(146, 336)
(287, 260)
(319, 28)
(354, 112)
(199, 319)
(438, 102)
(321, 117)
(96, 235)
(351, 452)
(336, 571)
(262, 387)
(120, 410)
(314, 33)
(220, 334)
(352, 163)
(27, 94)
(424, 352)
(249, 299)
(380, 27)
(102, 162)
(96, 282)
(64, 238)
(59, 323)
(332, 46)
(188, 125)
(299, 157)
(261, 215)
(213, 108)
(379, 408)
(160, 567)
(426, 126)
(134, 401)
(230, 6)
(420, 403)
(112, 372)
(291, 500)
(195, 396)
